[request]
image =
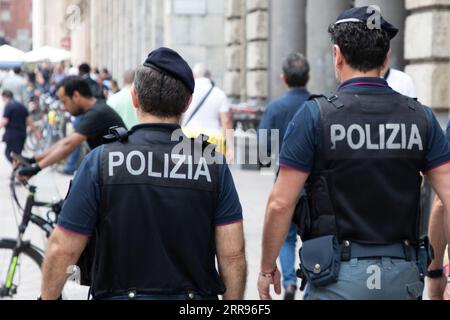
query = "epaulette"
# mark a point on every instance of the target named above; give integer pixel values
(334, 100)
(116, 134)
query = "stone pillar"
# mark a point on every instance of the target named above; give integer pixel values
(121, 41)
(395, 13)
(38, 23)
(234, 53)
(111, 38)
(320, 14)
(287, 35)
(101, 38)
(79, 29)
(94, 31)
(257, 34)
(427, 48)
(157, 24)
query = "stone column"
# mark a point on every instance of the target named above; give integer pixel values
(157, 24)
(111, 37)
(121, 40)
(427, 48)
(395, 13)
(320, 14)
(79, 30)
(234, 52)
(94, 30)
(101, 41)
(257, 34)
(38, 23)
(287, 35)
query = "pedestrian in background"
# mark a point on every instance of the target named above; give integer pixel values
(210, 113)
(122, 102)
(15, 121)
(278, 115)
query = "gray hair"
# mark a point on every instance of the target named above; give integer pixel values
(296, 70)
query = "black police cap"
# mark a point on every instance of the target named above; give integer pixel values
(364, 14)
(169, 62)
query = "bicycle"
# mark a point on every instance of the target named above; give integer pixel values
(22, 257)
(52, 122)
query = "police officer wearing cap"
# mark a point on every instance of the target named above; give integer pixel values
(162, 206)
(359, 155)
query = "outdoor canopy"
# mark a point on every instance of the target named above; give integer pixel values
(47, 53)
(11, 57)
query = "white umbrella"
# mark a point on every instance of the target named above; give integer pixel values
(47, 54)
(10, 57)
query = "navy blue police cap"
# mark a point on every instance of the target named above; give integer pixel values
(366, 14)
(170, 63)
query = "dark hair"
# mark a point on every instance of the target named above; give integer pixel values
(7, 94)
(84, 68)
(363, 49)
(17, 70)
(296, 70)
(72, 84)
(159, 94)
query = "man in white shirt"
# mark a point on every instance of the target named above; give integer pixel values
(401, 82)
(209, 111)
(15, 83)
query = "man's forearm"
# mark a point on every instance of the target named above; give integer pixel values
(447, 229)
(437, 232)
(234, 275)
(277, 223)
(55, 273)
(57, 153)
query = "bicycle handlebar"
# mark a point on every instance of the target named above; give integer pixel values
(21, 160)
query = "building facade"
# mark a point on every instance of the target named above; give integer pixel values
(15, 23)
(244, 41)
(259, 33)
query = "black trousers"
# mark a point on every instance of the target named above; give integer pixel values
(14, 145)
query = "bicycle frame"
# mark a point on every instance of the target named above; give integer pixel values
(46, 225)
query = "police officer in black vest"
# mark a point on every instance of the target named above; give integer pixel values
(360, 155)
(162, 206)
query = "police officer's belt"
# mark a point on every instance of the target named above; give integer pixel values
(351, 250)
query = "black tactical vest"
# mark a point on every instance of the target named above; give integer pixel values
(366, 183)
(155, 233)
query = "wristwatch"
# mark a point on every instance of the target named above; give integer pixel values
(435, 274)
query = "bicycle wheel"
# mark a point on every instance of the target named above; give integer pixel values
(26, 283)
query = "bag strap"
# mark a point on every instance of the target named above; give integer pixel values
(200, 105)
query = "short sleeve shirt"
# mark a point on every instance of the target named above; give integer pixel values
(97, 121)
(17, 115)
(301, 140)
(79, 214)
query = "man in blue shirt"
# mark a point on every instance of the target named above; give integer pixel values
(352, 149)
(278, 115)
(15, 120)
(160, 216)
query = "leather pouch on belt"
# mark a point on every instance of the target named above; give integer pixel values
(321, 260)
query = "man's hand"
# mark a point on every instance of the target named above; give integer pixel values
(30, 160)
(25, 174)
(436, 288)
(264, 284)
